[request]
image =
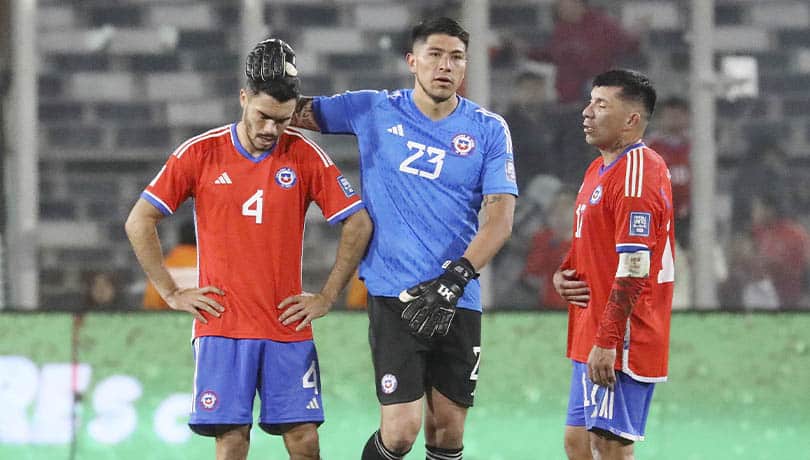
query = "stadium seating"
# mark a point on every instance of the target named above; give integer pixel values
(121, 84)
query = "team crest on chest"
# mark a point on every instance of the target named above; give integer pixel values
(463, 144)
(286, 177)
(596, 195)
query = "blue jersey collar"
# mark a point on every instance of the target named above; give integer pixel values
(604, 168)
(418, 113)
(243, 151)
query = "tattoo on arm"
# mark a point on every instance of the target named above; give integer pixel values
(492, 199)
(626, 292)
(303, 117)
(623, 297)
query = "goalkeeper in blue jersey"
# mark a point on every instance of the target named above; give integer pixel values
(430, 160)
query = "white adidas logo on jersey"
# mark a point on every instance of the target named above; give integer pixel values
(397, 130)
(313, 403)
(223, 179)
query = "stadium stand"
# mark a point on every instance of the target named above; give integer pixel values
(121, 84)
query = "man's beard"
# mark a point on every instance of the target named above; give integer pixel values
(436, 99)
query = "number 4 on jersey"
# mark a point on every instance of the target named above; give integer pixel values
(253, 206)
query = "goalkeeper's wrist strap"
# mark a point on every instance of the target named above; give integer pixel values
(461, 269)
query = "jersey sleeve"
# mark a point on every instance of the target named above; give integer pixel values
(331, 190)
(499, 165)
(174, 183)
(339, 114)
(639, 205)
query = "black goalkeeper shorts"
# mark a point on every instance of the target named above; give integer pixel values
(406, 366)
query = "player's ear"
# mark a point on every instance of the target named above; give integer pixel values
(410, 59)
(633, 120)
(243, 97)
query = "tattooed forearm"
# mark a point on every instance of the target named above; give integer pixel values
(303, 117)
(626, 292)
(492, 199)
(623, 297)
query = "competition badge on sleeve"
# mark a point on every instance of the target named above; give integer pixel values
(510, 171)
(639, 224)
(346, 186)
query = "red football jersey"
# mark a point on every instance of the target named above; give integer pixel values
(250, 215)
(625, 206)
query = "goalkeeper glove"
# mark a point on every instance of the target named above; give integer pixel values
(431, 305)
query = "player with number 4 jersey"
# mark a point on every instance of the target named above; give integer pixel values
(252, 182)
(618, 275)
(256, 205)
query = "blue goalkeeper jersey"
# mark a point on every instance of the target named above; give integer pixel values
(422, 181)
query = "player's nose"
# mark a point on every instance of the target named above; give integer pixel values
(270, 129)
(445, 62)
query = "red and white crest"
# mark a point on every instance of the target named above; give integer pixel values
(388, 383)
(286, 177)
(209, 400)
(463, 144)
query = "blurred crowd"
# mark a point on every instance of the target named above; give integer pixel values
(763, 255)
(541, 84)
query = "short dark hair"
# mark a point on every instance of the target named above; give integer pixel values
(442, 25)
(282, 89)
(635, 86)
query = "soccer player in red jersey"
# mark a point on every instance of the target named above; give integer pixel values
(618, 276)
(252, 182)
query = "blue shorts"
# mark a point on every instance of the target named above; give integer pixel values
(621, 411)
(228, 373)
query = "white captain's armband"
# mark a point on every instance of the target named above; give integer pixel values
(633, 264)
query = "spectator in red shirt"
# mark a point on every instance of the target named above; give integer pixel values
(782, 247)
(584, 43)
(776, 252)
(672, 142)
(548, 248)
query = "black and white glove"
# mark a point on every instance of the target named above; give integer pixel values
(431, 305)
